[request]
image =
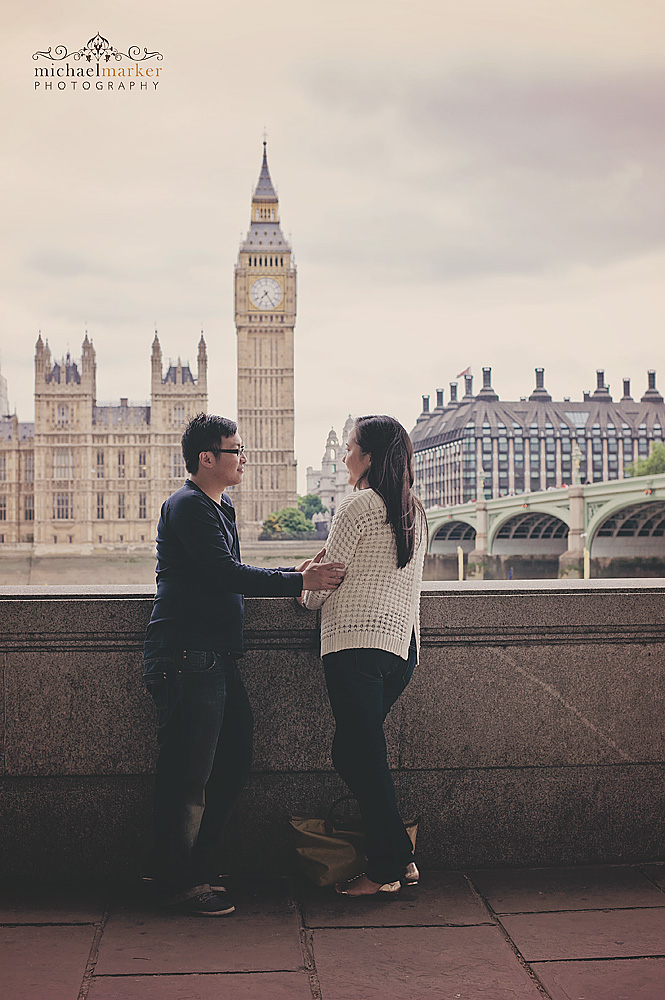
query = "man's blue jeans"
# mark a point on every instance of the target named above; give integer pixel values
(363, 685)
(205, 729)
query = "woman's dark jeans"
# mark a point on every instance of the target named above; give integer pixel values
(363, 685)
(205, 730)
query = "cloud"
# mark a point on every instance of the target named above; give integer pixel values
(493, 173)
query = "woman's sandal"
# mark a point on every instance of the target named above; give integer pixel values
(411, 875)
(387, 889)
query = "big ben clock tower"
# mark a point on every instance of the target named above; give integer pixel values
(265, 315)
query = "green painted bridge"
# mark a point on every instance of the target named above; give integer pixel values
(618, 518)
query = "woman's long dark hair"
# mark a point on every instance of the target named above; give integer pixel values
(390, 474)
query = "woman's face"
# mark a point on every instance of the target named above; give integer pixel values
(356, 461)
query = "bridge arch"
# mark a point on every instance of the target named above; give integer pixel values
(438, 520)
(629, 529)
(529, 532)
(451, 534)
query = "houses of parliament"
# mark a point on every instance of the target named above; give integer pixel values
(91, 475)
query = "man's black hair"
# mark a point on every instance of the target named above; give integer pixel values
(204, 432)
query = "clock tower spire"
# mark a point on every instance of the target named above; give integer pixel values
(265, 316)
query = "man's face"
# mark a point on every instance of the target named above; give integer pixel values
(230, 463)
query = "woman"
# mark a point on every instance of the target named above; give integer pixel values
(370, 634)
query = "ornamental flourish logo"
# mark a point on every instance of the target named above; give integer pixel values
(100, 73)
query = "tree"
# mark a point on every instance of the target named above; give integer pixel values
(286, 524)
(271, 526)
(311, 504)
(650, 466)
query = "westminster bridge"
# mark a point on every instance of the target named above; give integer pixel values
(618, 527)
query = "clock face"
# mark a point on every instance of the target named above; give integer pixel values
(266, 293)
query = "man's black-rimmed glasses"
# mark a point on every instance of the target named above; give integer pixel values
(240, 450)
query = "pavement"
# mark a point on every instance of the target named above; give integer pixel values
(595, 933)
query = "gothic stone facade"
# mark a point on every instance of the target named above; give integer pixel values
(86, 474)
(480, 447)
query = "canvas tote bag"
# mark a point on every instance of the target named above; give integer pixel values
(330, 850)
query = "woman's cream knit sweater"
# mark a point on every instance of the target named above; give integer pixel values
(377, 605)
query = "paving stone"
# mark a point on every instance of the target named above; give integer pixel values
(50, 905)
(44, 963)
(441, 898)
(588, 934)
(263, 935)
(543, 889)
(272, 985)
(392, 963)
(618, 979)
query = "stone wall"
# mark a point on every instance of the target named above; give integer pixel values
(530, 734)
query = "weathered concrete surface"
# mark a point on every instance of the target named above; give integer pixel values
(530, 734)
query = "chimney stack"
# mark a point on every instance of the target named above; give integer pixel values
(453, 393)
(626, 391)
(468, 386)
(425, 404)
(540, 393)
(651, 395)
(439, 399)
(602, 390)
(487, 392)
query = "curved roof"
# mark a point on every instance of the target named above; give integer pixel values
(448, 423)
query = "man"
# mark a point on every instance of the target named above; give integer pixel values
(193, 642)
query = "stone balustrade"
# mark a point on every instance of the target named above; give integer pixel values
(531, 734)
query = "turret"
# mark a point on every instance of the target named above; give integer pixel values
(156, 363)
(348, 427)
(4, 399)
(42, 360)
(89, 367)
(332, 447)
(202, 366)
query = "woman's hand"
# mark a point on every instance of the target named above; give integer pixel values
(305, 563)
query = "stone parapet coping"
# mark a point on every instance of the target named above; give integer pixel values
(431, 588)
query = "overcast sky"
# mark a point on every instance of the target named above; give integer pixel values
(463, 185)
